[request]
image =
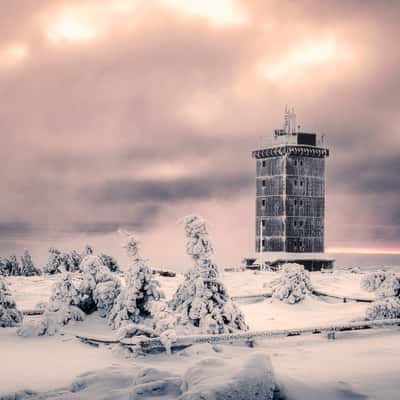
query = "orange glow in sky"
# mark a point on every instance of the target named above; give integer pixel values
(358, 250)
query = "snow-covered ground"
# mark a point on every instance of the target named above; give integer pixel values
(355, 366)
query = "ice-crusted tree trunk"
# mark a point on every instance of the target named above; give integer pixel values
(202, 301)
(27, 266)
(134, 304)
(63, 306)
(292, 285)
(9, 314)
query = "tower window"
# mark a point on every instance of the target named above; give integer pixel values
(301, 183)
(295, 223)
(264, 163)
(301, 162)
(264, 183)
(295, 182)
(301, 202)
(295, 202)
(263, 222)
(263, 202)
(301, 223)
(263, 243)
(295, 162)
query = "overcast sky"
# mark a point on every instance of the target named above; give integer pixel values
(134, 113)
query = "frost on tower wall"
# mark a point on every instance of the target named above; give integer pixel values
(290, 192)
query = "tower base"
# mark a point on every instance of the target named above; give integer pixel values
(274, 261)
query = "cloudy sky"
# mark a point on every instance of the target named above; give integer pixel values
(134, 113)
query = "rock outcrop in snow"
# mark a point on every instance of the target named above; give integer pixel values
(201, 301)
(9, 314)
(292, 285)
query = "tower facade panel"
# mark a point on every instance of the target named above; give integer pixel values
(290, 198)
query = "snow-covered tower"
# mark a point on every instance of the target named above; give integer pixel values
(290, 197)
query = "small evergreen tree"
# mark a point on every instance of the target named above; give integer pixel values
(140, 291)
(99, 287)
(54, 262)
(3, 267)
(63, 306)
(109, 262)
(27, 267)
(201, 300)
(293, 284)
(373, 280)
(13, 266)
(9, 314)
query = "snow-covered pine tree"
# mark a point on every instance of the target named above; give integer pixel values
(14, 266)
(99, 287)
(54, 262)
(387, 304)
(3, 267)
(109, 262)
(27, 267)
(201, 301)
(373, 280)
(141, 290)
(292, 284)
(71, 261)
(9, 314)
(63, 306)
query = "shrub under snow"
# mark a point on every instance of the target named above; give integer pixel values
(387, 286)
(62, 307)
(140, 292)
(27, 266)
(99, 288)
(201, 301)
(388, 308)
(293, 284)
(9, 314)
(373, 280)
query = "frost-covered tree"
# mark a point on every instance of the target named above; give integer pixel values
(373, 280)
(109, 262)
(99, 287)
(13, 266)
(141, 289)
(63, 306)
(388, 308)
(387, 293)
(201, 301)
(71, 261)
(292, 285)
(3, 267)
(27, 266)
(9, 314)
(54, 262)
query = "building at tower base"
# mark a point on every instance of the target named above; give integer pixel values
(290, 199)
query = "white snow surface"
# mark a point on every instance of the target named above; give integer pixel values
(354, 366)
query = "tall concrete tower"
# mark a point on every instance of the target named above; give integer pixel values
(290, 197)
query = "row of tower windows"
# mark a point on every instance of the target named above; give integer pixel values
(300, 202)
(264, 163)
(264, 183)
(301, 223)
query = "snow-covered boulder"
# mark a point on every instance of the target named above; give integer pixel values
(292, 285)
(212, 378)
(9, 314)
(201, 302)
